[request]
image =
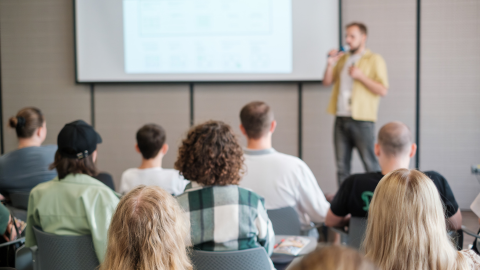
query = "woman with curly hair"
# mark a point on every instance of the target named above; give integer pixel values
(223, 216)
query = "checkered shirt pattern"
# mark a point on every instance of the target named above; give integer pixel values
(226, 218)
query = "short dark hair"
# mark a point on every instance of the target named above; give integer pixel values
(395, 138)
(211, 155)
(66, 166)
(150, 139)
(256, 118)
(361, 26)
(26, 122)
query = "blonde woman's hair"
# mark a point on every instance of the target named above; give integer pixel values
(406, 226)
(335, 258)
(149, 231)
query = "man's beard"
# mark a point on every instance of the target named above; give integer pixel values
(354, 50)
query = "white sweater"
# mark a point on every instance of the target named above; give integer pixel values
(284, 180)
(168, 179)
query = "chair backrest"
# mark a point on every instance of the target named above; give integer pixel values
(356, 232)
(64, 251)
(248, 259)
(285, 221)
(18, 213)
(20, 199)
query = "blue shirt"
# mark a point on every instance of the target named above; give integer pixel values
(23, 169)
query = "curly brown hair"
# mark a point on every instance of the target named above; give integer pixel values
(211, 155)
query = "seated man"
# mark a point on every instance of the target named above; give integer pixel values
(281, 179)
(74, 203)
(394, 150)
(151, 144)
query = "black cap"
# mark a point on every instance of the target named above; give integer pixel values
(77, 140)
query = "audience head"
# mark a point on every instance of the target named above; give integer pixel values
(395, 141)
(356, 36)
(211, 155)
(29, 123)
(257, 120)
(335, 257)
(148, 231)
(151, 141)
(77, 150)
(406, 225)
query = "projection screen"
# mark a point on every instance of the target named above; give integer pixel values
(203, 40)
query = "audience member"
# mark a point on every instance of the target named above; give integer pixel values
(407, 229)
(7, 228)
(151, 145)
(394, 150)
(24, 168)
(149, 231)
(73, 203)
(281, 179)
(223, 216)
(334, 258)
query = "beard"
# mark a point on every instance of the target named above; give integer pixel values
(354, 50)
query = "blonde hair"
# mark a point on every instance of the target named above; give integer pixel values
(335, 258)
(149, 231)
(406, 226)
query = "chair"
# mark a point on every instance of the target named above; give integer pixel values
(7, 250)
(20, 199)
(285, 221)
(476, 235)
(457, 237)
(355, 234)
(17, 212)
(248, 259)
(64, 252)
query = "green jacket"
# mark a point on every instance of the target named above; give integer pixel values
(75, 205)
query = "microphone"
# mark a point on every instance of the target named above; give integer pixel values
(344, 48)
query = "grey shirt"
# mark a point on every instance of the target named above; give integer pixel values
(23, 169)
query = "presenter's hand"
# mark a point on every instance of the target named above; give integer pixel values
(333, 57)
(355, 72)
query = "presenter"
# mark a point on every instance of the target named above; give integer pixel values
(359, 79)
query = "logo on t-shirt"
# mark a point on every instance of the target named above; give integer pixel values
(367, 198)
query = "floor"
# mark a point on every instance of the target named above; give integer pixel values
(470, 220)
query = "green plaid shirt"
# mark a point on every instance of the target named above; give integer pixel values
(226, 218)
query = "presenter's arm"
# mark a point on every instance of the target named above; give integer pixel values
(374, 86)
(377, 82)
(333, 57)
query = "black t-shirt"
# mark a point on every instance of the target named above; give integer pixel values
(356, 192)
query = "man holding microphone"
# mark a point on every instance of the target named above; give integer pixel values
(360, 79)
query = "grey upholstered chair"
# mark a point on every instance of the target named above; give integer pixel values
(248, 259)
(64, 252)
(285, 221)
(20, 199)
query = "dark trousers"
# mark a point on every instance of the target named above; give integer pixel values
(349, 134)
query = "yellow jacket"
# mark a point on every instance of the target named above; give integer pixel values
(364, 103)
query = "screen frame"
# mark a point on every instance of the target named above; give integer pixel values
(77, 81)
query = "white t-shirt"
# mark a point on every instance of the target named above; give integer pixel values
(168, 179)
(284, 180)
(346, 86)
